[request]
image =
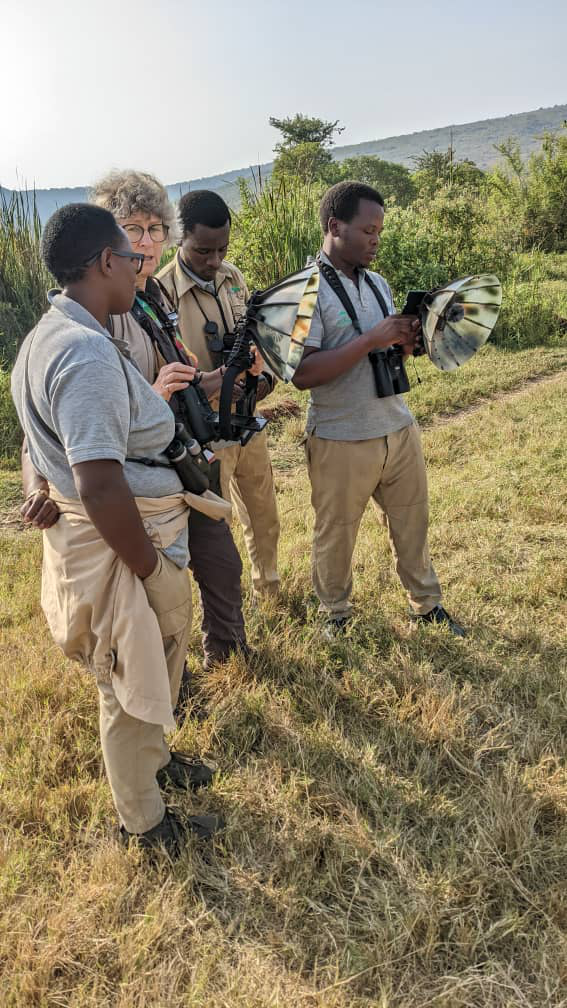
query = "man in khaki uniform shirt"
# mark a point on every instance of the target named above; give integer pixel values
(360, 447)
(210, 296)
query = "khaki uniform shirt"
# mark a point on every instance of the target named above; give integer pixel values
(195, 305)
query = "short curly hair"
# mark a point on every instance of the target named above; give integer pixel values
(341, 201)
(73, 235)
(129, 192)
(202, 206)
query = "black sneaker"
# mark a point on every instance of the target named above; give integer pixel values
(211, 660)
(185, 772)
(171, 833)
(438, 616)
(334, 627)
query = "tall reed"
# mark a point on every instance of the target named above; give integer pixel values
(23, 277)
(276, 228)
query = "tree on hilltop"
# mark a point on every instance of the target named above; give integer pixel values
(300, 129)
(303, 152)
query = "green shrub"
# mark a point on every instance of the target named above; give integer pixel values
(435, 240)
(532, 192)
(554, 265)
(393, 181)
(10, 430)
(11, 333)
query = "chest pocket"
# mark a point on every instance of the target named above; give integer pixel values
(237, 301)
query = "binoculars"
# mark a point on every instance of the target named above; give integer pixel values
(389, 371)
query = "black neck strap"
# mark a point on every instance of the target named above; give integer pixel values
(333, 279)
(162, 333)
(185, 269)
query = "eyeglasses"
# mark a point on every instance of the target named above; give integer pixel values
(157, 232)
(136, 257)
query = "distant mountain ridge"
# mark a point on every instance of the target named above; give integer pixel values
(474, 140)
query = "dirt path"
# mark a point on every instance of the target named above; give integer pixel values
(441, 419)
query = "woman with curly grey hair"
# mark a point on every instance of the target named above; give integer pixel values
(126, 193)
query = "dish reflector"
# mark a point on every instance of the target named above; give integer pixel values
(282, 316)
(458, 319)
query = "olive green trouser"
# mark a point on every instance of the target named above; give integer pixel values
(344, 476)
(246, 478)
(135, 750)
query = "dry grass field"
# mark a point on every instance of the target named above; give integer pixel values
(396, 802)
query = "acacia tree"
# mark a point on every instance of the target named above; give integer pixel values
(438, 169)
(300, 129)
(303, 152)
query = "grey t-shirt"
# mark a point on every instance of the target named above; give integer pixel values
(348, 409)
(97, 403)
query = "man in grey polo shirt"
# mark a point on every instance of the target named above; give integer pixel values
(358, 446)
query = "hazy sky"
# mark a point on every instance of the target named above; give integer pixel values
(184, 88)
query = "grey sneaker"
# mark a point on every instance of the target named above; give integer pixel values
(334, 627)
(438, 616)
(171, 834)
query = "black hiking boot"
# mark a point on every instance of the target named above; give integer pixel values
(438, 616)
(185, 772)
(212, 659)
(171, 834)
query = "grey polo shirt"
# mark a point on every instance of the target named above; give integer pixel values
(348, 409)
(97, 403)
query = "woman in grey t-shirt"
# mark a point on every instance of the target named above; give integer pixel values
(86, 411)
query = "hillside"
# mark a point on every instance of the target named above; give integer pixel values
(474, 140)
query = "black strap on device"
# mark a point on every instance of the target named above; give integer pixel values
(337, 287)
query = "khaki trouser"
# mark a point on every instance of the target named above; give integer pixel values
(246, 477)
(135, 750)
(344, 476)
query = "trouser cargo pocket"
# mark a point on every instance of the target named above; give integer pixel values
(169, 595)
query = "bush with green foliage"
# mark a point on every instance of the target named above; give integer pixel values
(393, 181)
(531, 313)
(305, 161)
(436, 170)
(437, 239)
